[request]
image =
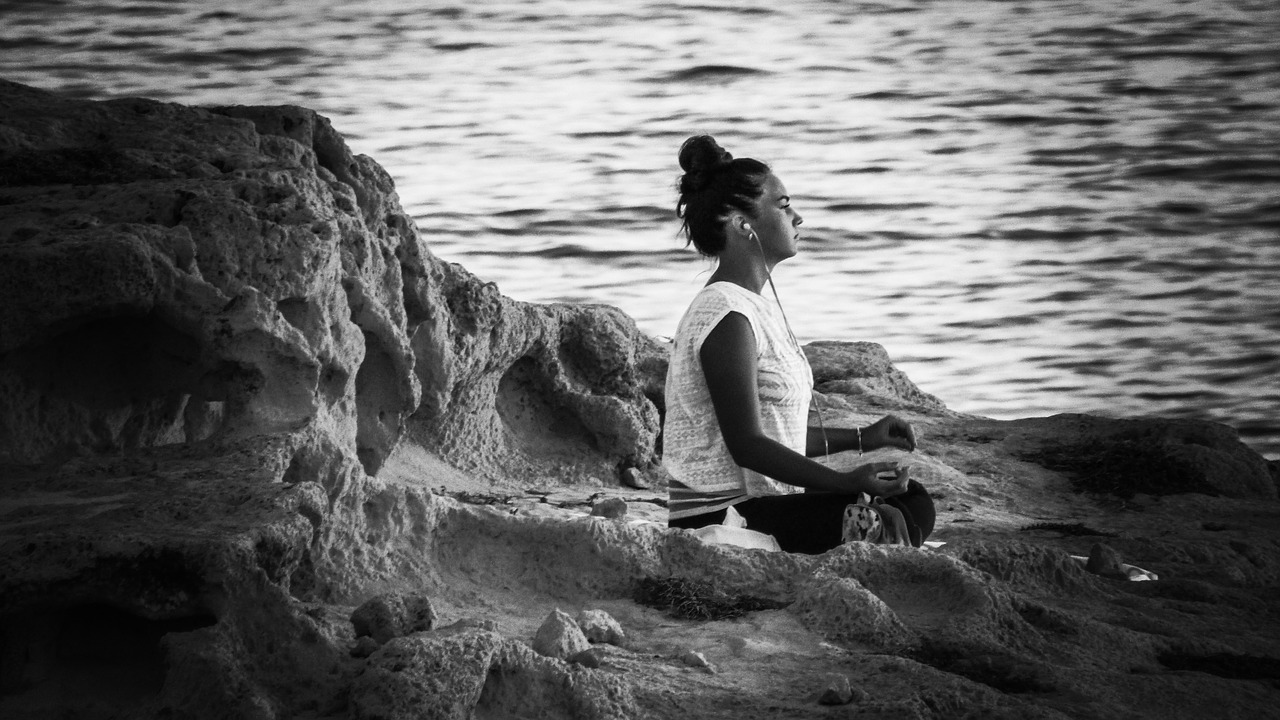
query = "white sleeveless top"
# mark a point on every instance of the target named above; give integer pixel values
(706, 477)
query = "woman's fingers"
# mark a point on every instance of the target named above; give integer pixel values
(899, 432)
(909, 435)
(892, 431)
(898, 485)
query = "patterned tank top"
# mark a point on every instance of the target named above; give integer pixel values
(706, 478)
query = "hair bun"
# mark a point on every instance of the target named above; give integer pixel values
(702, 154)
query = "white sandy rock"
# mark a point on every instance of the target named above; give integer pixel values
(695, 659)
(843, 609)
(559, 637)
(600, 627)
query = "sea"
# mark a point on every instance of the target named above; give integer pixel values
(1036, 206)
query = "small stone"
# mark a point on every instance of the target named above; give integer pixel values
(589, 658)
(559, 637)
(364, 647)
(393, 615)
(631, 477)
(600, 627)
(1105, 561)
(693, 658)
(613, 507)
(838, 692)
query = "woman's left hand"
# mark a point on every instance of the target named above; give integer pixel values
(889, 431)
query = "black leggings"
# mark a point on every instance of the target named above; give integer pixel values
(813, 523)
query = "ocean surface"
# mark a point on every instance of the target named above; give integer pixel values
(1036, 206)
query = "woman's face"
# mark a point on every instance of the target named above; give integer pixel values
(776, 224)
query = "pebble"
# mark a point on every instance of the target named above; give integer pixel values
(613, 507)
(631, 477)
(696, 659)
(839, 692)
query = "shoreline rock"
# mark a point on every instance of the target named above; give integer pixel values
(241, 397)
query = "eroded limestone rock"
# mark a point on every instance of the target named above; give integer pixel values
(599, 627)
(559, 637)
(392, 615)
(468, 673)
(218, 329)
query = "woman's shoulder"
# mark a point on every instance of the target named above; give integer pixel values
(728, 294)
(712, 303)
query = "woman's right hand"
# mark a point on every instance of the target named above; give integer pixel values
(866, 478)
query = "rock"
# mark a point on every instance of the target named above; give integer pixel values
(613, 507)
(474, 673)
(590, 658)
(631, 477)
(390, 616)
(863, 370)
(364, 647)
(599, 627)
(429, 675)
(1156, 456)
(695, 659)
(1105, 561)
(213, 277)
(842, 609)
(839, 692)
(559, 637)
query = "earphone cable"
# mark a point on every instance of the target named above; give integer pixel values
(813, 392)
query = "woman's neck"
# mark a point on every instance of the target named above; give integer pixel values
(746, 272)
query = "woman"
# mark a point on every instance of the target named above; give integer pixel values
(738, 386)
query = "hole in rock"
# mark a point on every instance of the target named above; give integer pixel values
(377, 396)
(89, 661)
(297, 311)
(532, 416)
(107, 384)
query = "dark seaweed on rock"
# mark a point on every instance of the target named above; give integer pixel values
(698, 600)
(1074, 529)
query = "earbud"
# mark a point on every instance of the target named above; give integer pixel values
(746, 226)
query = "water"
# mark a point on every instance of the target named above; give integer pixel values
(1036, 206)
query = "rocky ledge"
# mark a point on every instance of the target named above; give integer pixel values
(263, 456)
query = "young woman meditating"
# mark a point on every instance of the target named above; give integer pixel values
(738, 387)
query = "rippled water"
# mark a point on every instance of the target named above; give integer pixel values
(1037, 206)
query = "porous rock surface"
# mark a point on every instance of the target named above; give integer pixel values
(240, 398)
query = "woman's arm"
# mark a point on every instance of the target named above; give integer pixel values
(888, 431)
(728, 358)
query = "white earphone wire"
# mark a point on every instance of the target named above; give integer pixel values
(813, 393)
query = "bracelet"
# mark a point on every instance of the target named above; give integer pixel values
(859, 430)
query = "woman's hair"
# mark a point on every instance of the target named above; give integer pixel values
(715, 184)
